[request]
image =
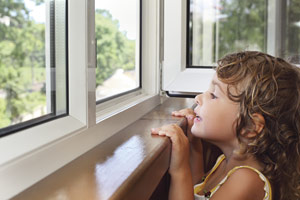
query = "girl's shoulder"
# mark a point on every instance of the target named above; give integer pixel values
(244, 182)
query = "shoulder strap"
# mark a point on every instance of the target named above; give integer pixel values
(218, 162)
(200, 186)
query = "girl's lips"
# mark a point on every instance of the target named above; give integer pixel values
(197, 119)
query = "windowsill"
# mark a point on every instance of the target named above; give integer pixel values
(115, 106)
(35, 153)
(129, 164)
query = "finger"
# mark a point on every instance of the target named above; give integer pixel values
(190, 118)
(155, 130)
(162, 133)
(179, 113)
(176, 113)
(177, 139)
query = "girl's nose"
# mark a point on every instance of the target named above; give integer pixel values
(198, 99)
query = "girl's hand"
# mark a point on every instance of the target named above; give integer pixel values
(190, 115)
(196, 147)
(180, 147)
(184, 113)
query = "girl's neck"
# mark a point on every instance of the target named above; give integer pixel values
(234, 156)
(234, 159)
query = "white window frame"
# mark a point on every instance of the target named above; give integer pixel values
(28, 156)
(274, 30)
(111, 103)
(178, 78)
(182, 80)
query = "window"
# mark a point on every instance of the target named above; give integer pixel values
(32, 63)
(197, 33)
(216, 28)
(117, 33)
(219, 27)
(291, 48)
(78, 131)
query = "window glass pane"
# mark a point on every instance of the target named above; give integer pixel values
(117, 34)
(219, 27)
(292, 31)
(29, 78)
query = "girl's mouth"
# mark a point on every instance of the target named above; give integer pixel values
(197, 119)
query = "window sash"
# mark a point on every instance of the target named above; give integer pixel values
(138, 60)
(176, 78)
(56, 68)
(80, 132)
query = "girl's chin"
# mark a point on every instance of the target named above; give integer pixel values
(194, 131)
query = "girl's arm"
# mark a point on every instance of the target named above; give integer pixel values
(196, 150)
(181, 186)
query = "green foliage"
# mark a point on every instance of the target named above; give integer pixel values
(244, 27)
(114, 50)
(22, 57)
(35, 98)
(15, 10)
(293, 31)
(38, 2)
(22, 61)
(5, 121)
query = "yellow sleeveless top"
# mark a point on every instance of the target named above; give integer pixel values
(199, 187)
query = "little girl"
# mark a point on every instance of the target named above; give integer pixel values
(252, 113)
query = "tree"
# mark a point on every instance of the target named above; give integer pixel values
(22, 56)
(22, 51)
(4, 119)
(293, 30)
(114, 50)
(243, 27)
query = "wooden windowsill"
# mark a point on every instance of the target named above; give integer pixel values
(129, 165)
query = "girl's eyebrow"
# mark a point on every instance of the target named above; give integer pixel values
(217, 84)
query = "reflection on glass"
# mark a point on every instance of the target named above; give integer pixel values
(292, 31)
(33, 72)
(22, 62)
(117, 29)
(219, 27)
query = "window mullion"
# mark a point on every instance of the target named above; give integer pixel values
(274, 30)
(92, 60)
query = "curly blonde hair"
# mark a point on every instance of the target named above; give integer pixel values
(271, 87)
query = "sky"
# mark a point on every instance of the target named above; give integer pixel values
(123, 11)
(36, 12)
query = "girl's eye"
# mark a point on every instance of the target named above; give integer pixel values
(213, 96)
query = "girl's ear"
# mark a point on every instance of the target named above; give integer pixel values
(259, 123)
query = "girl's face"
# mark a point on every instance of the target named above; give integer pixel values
(216, 115)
